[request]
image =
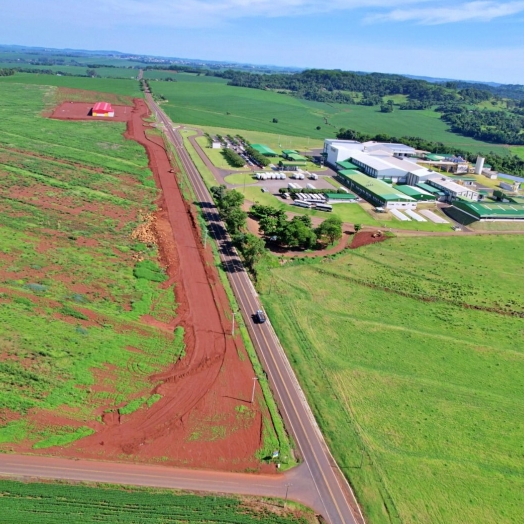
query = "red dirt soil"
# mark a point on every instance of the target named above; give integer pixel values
(195, 424)
(363, 238)
(81, 111)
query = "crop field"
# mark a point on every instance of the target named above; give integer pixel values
(208, 101)
(74, 279)
(126, 87)
(410, 352)
(49, 503)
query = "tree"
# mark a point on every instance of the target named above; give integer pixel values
(330, 229)
(318, 128)
(298, 234)
(231, 199)
(91, 73)
(275, 120)
(252, 249)
(357, 227)
(235, 220)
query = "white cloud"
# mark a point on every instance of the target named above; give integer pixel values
(480, 11)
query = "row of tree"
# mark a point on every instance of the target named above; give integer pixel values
(233, 159)
(7, 72)
(506, 164)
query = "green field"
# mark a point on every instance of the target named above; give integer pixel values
(126, 87)
(208, 101)
(72, 293)
(420, 398)
(49, 503)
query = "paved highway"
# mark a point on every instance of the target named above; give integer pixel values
(338, 503)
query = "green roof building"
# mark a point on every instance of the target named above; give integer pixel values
(488, 211)
(339, 198)
(431, 189)
(287, 152)
(264, 150)
(346, 165)
(349, 172)
(417, 193)
(295, 157)
(377, 192)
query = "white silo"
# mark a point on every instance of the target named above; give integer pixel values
(479, 165)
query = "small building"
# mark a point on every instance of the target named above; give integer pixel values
(464, 180)
(437, 193)
(216, 144)
(295, 157)
(291, 165)
(417, 193)
(263, 150)
(341, 198)
(103, 109)
(377, 192)
(286, 152)
(453, 190)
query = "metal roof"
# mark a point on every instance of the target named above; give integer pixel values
(261, 148)
(378, 188)
(491, 210)
(430, 189)
(414, 191)
(340, 196)
(102, 106)
(347, 165)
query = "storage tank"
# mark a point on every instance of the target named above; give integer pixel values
(479, 165)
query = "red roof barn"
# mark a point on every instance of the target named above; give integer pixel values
(103, 109)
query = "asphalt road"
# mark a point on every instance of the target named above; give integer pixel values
(338, 505)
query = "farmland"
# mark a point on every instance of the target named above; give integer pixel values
(208, 101)
(94, 321)
(89, 504)
(410, 353)
(70, 301)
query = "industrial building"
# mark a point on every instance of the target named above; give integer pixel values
(419, 194)
(388, 168)
(263, 150)
(465, 212)
(103, 109)
(453, 190)
(341, 198)
(377, 192)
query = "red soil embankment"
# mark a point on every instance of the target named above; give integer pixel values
(198, 422)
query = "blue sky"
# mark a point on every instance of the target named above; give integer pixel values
(471, 40)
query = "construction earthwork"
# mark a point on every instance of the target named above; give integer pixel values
(205, 418)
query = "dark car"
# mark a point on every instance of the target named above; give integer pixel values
(260, 317)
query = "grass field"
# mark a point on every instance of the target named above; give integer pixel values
(71, 290)
(207, 101)
(420, 397)
(116, 86)
(34, 503)
(215, 155)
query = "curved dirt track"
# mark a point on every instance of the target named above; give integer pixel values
(196, 423)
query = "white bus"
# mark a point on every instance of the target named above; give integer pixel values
(324, 207)
(302, 203)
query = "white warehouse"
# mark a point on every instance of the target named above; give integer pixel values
(383, 167)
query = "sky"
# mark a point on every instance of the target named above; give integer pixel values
(467, 40)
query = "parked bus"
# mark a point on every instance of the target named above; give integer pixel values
(324, 207)
(302, 203)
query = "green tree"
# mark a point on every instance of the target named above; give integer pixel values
(235, 220)
(330, 230)
(251, 247)
(298, 234)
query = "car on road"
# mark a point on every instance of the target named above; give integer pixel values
(260, 317)
(265, 190)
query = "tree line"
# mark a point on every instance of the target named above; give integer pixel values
(297, 232)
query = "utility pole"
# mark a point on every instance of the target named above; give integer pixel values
(253, 392)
